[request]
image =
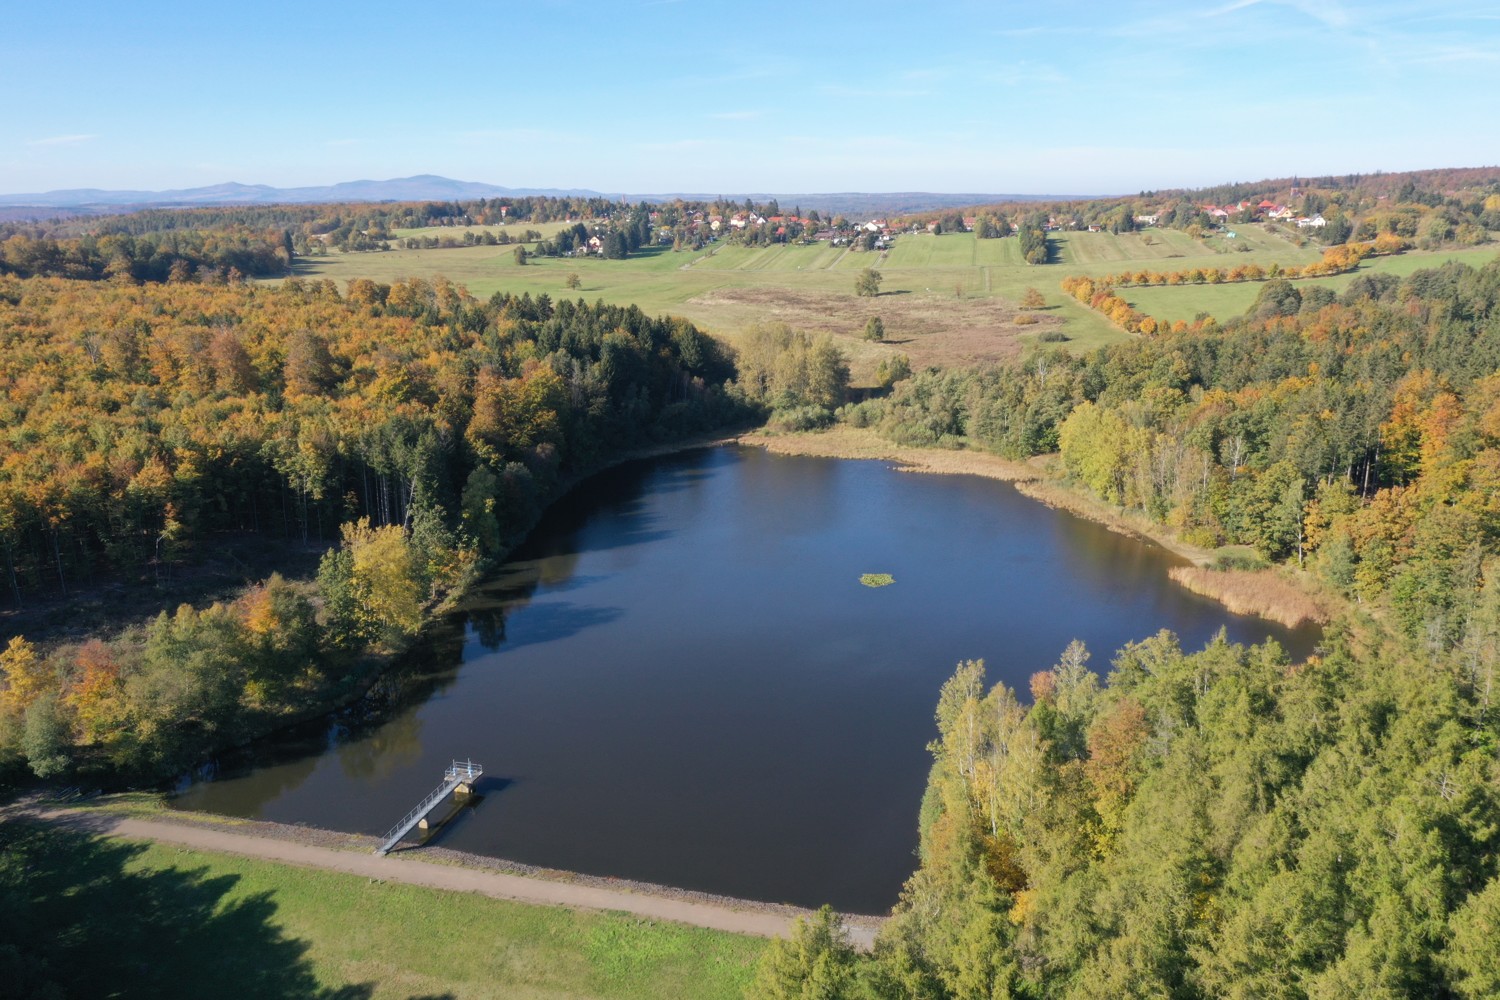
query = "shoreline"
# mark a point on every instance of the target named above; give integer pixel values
(1262, 593)
(381, 664)
(370, 666)
(378, 665)
(1032, 478)
(537, 885)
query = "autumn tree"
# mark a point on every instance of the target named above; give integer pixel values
(817, 960)
(385, 589)
(309, 366)
(26, 675)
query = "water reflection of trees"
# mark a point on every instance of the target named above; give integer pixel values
(382, 732)
(371, 738)
(388, 735)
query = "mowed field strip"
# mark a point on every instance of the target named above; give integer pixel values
(727, 289)
(945, 299)
(735, 917)
(1184, 302)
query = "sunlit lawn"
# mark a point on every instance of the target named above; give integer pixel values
(1174, 302)
(684, 283)
(111, 917)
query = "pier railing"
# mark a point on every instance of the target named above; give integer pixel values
(460, 772)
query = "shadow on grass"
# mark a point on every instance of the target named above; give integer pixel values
(74, 922)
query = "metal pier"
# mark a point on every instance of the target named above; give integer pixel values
(459, 776)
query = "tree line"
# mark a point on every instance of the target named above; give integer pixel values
(413, 429)
(1098, 293)
(179, 255)
(1429, 208)
(1355, 434)
(1222, 823)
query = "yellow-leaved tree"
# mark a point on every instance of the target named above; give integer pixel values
(26, 676)
(372, 585)
(384, 575)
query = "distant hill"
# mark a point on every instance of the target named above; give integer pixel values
(862, 203)
(430, 187)
(423, 187)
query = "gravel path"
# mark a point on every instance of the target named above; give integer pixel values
(292, 846)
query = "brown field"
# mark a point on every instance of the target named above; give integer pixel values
(861, 443)
(936, 330)
(1262, 592)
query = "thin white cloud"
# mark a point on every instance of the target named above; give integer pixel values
(933, 73)
(517, 135)
(682, 145)
(1454, 54)
(763, 71)
(1024, 74)
(1230, 8)
(62, 140)
(879, 93)
(1328, 12)
(1027, 32)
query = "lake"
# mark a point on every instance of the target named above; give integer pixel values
(680, 679)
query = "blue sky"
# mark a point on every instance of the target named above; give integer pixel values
(697, 95)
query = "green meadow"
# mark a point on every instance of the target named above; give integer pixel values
(104, 917)
(547, 229)
(726, 289)
(1184, 302)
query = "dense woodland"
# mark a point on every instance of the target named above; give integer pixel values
(1430, 208)
(416, 427)
(1358, 435)
(1226, 823)
(1220, 823)
(340, 221)
(209, 257)
(1215, 824)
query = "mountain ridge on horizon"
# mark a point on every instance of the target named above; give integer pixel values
(433, 187)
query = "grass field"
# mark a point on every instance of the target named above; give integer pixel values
(114, 918)
(515, 229)
(944, 300)
(1100, 253)
(1224, 302)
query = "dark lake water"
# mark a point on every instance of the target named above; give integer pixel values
(680, 679)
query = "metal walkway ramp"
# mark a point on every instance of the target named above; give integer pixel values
(460, 772)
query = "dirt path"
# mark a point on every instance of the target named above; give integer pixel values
(746, 919)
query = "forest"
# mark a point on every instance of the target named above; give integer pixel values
(1228, 823)
(209, 257)
(1358, 435)
(1214, 824)
(1431, 208)
(411, 430)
